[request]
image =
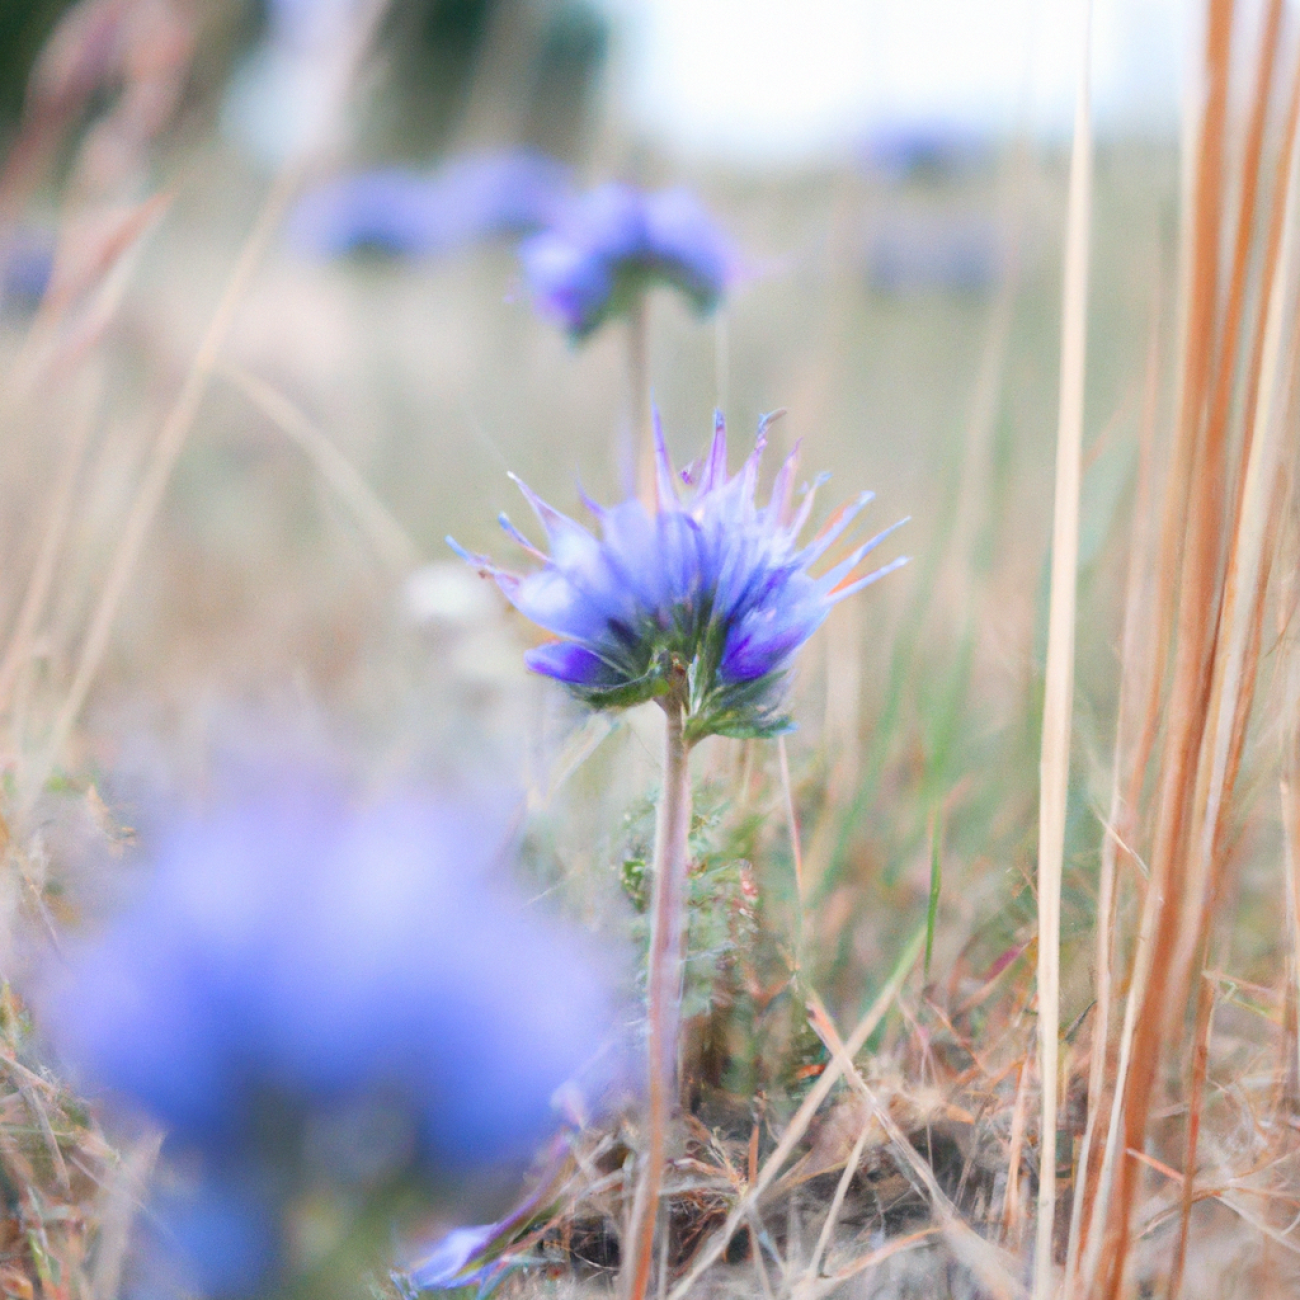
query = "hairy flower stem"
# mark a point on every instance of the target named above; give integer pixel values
(663, 990)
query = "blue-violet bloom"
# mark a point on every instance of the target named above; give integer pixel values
(612, 243)
(309, 996)
(711, 591)
(468, 200)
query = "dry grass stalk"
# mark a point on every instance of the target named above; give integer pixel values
(40, 583)
(390, 540)
(171, 441)
(1248, 546)
(1289, 790)
(1217, 594)
(1058, 704)
(836, 1207)
(1197, 470)
(1241, 617)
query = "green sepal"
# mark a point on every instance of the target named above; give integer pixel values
(649, 686)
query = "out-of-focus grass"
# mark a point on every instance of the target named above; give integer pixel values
(257, 584)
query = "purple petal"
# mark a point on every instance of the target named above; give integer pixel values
(567, 281)
(762, 646)
(715, 472)
(836, 575)
(688, 246)
(664, 484)
(567, 662)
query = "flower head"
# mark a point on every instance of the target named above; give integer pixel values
(307, 996)
(711, 594)
(611, 244)
(469, 199)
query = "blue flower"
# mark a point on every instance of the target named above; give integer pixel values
(469, 199)
(307, 995)
(611, 244)
(711, 591)
(26, 265)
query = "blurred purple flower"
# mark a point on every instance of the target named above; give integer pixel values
(611, 244)
(468, 200)
(303, 993)
(714, 586)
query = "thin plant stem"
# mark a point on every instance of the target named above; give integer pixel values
(638, 385)
(1054, 763)
(1237, 656)
(837, 1203)
(796, 852)
(663, 989)
(721, 359)
(1288, 786)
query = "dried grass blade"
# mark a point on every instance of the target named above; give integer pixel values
(994, 1267)
(57, 515)
(1058, 704)
(1154, 991)
(1240, 621)
(175, 431)
(837, 1203)
(798, 1125)
(157, 475)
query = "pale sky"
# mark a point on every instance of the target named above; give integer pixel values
(792, 80)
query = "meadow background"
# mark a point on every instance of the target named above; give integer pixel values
(292, 589)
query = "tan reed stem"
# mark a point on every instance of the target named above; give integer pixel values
(1191, 939)
(1153, 994)
(1058, 703)
(1135, 667)
(1240, 626)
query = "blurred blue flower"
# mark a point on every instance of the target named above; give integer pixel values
(925, 149)
(304, 994)
(469, 199)
(611, 244)
(713, 587)
(26, 265)
(957, 252)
